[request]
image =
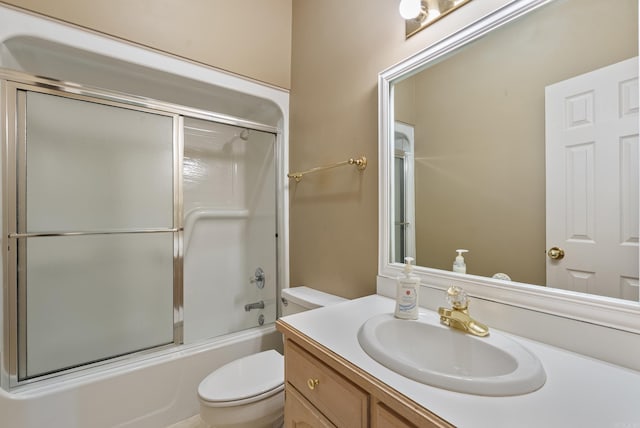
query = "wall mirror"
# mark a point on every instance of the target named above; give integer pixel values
(523, 137)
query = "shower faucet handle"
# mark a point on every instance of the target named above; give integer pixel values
(258, 278)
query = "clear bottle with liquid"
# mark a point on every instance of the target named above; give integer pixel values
(458, 264)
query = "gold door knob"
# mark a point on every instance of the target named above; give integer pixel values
(312, 383)
(555, 253)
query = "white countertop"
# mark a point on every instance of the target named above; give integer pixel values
(579, 391)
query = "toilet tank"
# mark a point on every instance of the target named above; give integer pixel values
(299, 299)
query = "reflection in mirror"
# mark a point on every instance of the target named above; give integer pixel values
(403, 237)
(527, 139)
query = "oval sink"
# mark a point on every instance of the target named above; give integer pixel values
(430, 353)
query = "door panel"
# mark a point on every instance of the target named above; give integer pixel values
(93, 239)
(90, 166)
(592, 181)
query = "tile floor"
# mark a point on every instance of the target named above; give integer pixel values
(192, 422)
(196, 422)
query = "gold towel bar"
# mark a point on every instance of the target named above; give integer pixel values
(360, 163)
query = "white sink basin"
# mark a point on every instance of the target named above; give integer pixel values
(430, 353)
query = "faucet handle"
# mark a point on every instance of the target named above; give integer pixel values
(258, 278)
(457, 298)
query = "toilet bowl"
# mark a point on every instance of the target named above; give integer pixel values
(249, 392)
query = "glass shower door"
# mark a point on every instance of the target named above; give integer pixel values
(229, 229)
(95, 230)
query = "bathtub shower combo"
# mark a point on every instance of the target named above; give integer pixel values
(141, 228)
(95, 252)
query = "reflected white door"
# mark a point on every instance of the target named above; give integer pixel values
(592, 181)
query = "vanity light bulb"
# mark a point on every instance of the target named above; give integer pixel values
(410, 9)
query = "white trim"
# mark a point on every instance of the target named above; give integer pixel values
(603, 311)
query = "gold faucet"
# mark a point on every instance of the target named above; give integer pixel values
(458, 316)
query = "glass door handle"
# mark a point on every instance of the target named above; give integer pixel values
(91, 232)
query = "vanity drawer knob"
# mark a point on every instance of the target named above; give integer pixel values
(312, 383)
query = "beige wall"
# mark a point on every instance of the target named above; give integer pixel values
(247, 37)
(330, 59)
(339, 47)
(480, 185)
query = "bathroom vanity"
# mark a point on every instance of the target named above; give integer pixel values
(331, 381)
(324, 390)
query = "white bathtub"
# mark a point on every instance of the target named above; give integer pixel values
(151, 392)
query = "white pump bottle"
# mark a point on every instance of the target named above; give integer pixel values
(407, 293)
(459, 264)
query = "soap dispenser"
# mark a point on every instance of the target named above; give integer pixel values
(407, 293)
(458, 264)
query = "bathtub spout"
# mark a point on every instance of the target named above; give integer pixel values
(256, 305)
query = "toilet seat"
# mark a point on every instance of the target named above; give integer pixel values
(243, 381)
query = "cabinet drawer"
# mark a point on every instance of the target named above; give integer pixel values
(299, 413)
(383, 417)
(343, 403)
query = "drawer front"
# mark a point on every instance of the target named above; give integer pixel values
(343, 403)
(383, 417)
(299, 413)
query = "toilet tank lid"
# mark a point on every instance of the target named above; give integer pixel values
(244, 378)
(310, 298)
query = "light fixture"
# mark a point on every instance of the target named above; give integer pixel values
(410, 9)
(418, 14)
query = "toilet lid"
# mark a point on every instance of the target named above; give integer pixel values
(244, 378)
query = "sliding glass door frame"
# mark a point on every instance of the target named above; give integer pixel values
(14, 214)
(13, 128)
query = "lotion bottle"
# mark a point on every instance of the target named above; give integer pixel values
(459, 264)
(407, 293)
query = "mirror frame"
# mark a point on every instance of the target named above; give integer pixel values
(603, 311)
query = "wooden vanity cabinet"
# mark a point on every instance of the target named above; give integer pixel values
(342, 402)
(384, 417)
(324, 390)
(300, 413)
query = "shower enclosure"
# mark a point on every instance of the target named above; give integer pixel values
(132, 226)
(229, 229)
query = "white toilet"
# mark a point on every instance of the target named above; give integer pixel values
(249, 392)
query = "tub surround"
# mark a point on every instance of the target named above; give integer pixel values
(149, 393)
(579, 391)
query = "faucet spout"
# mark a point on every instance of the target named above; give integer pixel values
(256, 305)
(458, 316)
